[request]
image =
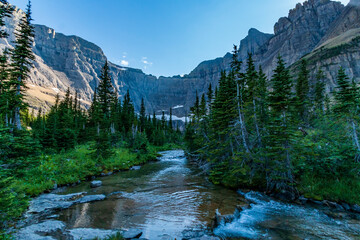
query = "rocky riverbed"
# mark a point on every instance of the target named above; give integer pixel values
(171, 199)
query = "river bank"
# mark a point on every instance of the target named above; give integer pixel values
(170, 198)
(70, 169)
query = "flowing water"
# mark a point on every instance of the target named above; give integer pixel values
(164, 198)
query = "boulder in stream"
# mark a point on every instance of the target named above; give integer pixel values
(38, 231)
(132, 233)
(135, 168)
(90, 233)
(355, 208)
(95, 184)
(48, 202)
(91, 198)
(222, 219)
(206, 237)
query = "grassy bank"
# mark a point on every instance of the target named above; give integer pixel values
(74, 165)
(70, 167)
(342, 190)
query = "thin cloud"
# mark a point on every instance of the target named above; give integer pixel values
(124, 63)
(146, 62)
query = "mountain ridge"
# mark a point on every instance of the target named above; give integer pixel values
(70, 61)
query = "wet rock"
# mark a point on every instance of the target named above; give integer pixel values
(302, 200)
(355, 208)
(336, 215)
(285, 196)
(47, 202)
(238, 211)
(315, 202)
(192, 234)
(135, 168)
(55, 186)
(36, 231)
(333, 205)
(53, 216)
(354, 216)
(90, 233)
(222, 219)
(91, 198)
(206, 237)
(132, 233)
(346, 206)
(106, 174)
(95, 184)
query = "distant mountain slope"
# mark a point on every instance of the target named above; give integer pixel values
(70, 61)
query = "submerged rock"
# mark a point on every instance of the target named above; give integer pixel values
(333, 205)
(132, 233)
(90, 233)
(91, 198)
(192, 234)
(48, 202)
(355, 208)
(134, 168)
(36, 231)
(95, 184)
(346, 206)
(303, 200)
(223, 219)
(206, 237)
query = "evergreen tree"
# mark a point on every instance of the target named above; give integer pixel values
(210, 94)
(105, 94)
(319, 94)
(4, 90)
(21, 57)
(142, 115)
(170, 120)
(5, 11)
(345, 98)
(346, 105)
(302, 92)
(202, 107)
(195, 110)
(281, 132)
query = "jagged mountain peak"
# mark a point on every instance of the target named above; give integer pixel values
(252, 42)
(70, 61)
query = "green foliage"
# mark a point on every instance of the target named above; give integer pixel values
(112, 237)
(139, 143)
(272, 136)
(302, 93)
(21, 61)
(13, 202)
(102, 147)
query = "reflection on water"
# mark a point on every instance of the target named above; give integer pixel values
(163, 197)
(166, 197)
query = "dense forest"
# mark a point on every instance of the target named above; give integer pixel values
(284, 135)
(69, 143)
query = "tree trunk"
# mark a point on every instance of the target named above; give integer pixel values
(256, 125)
(355, 136)
(242, 124)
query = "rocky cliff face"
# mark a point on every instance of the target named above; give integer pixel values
(349, 19)
(299, 32)
(69, 61)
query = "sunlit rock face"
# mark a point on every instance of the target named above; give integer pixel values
(70, 61)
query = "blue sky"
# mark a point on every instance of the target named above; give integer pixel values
(161, 37)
